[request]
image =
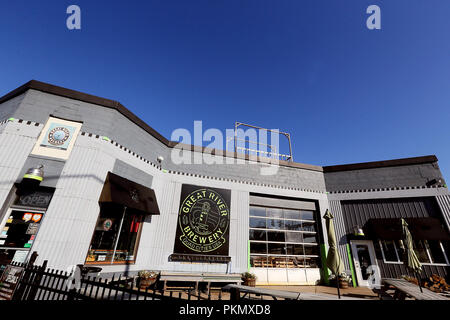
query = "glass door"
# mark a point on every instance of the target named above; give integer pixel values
(364, 260)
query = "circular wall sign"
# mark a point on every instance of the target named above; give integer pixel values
(57, 136)
(107, 224)
(204, 219)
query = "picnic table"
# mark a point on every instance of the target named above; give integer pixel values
(235, 291)
(405, 288)
(199, 278)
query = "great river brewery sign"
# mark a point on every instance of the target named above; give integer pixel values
(203, 221)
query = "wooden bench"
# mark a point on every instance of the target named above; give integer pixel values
(235, 291)
(404, 288)
(197, 278)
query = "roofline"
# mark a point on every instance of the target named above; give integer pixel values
(381, 164)
(77, 95)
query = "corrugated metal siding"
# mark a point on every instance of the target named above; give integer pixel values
(158, 233)
(339, 228)
(68, 224)
(444, 204)
(358, 212)
(16, 142)
(239, 230)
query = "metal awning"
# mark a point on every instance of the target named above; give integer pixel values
(129, 194)
(420, 228)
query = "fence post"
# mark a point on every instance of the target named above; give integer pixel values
(71, 294)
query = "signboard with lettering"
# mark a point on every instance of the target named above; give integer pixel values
(203, 221)
(57, 138)
(35, 199)
(9, 281)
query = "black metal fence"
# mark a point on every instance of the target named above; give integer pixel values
(29, 282)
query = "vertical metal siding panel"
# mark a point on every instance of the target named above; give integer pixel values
(68, 224)
(14, 150)
(444, 204)
(160, 233)
(241, 220)
(339, 225)
(396, 208)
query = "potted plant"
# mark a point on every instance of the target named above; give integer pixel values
(147, 278)
(343, 280)
(249, 279)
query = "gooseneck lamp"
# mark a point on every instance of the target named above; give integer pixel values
(358, 231)
(35, 173)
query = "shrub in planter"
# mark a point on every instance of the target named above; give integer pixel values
(146, 278)
(343, 279)
(249, 279)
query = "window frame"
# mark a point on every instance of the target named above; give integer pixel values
(302, 258)
(427, 250)
(113, 262)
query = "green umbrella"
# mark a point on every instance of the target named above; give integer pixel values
(334, 261)
(410, 258)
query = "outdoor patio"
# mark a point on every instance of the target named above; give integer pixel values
(358, 292)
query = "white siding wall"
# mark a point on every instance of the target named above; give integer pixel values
(16, 142)
(68, 225)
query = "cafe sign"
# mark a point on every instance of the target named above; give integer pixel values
(203, 221)
(9, 281)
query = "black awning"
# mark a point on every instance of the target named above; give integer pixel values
(130, 194)
(420, 228)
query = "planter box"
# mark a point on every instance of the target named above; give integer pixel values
(249, 282)
(342, 283)
(144, 283)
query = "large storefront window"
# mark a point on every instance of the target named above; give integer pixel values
(116, 236)
(283, 238)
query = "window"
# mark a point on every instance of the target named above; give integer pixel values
(421, 251)
(259, 235)
(436, 251)
(115, 237)
(427, 251)
(283, 238)
(258, 223)
(390, 251)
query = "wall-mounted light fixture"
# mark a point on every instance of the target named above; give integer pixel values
(35, 173)
(358, 231)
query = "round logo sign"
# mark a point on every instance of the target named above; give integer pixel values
(204, 219)
(57, 136)
(107, 224)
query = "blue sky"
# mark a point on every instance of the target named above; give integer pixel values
(345, 93)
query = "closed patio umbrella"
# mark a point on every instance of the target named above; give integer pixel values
(410, 258)
(334, 261)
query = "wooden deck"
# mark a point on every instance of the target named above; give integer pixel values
(403, 288)
(236, 290)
